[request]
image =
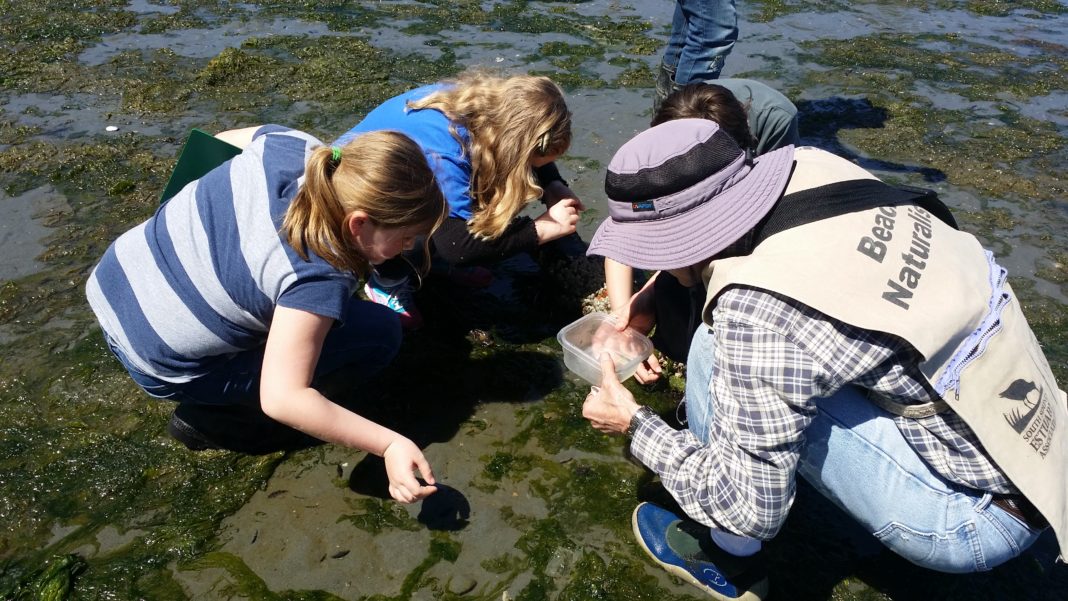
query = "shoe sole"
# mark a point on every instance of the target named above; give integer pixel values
(758, 593)
(188, 436)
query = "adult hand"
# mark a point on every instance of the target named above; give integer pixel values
(402, 458)
(610, 407)
(560, 220)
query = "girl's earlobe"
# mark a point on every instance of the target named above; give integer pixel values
(354, 223)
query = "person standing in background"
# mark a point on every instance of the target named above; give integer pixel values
(703, 33)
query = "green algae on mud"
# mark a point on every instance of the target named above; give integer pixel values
(1055, 268)
(53, 581)
(344, 76)
(769, 10)
(83, 450)
(376, 515)
(974, 70)
(245, 583)
(562, 565)
(1007, 157)
(76, 430)
(84, 453)
(88, 461)
(442, 548)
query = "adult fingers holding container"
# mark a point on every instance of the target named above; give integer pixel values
(609, 407)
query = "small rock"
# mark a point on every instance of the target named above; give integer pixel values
(461, 585)
(111, 128)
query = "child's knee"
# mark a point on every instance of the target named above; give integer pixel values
(382, 325)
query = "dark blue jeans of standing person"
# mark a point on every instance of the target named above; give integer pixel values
(703, 33)
(224, 404)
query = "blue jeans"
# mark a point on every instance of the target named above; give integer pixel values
(857, 458)
(366, 342)
(703, 33)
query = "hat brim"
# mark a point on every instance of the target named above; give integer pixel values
(698, 234)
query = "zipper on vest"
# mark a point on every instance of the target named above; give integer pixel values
(975, 352)
(978, 340)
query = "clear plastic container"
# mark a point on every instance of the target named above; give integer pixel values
(586, 338)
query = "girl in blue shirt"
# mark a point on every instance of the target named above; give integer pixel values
(492, 143)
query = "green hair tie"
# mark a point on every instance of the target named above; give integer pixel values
(335, 154)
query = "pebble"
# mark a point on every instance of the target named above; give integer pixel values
(111, 128)
(461, 585)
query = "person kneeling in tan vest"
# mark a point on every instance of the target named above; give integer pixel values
(828, 350)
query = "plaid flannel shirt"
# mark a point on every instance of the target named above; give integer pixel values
(774, 358)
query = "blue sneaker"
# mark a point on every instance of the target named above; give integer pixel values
(685, 548)
(399, 297)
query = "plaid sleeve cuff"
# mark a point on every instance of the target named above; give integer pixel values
(652, 439)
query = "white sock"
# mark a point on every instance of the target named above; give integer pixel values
(739, 546)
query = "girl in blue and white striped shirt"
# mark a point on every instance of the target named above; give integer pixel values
(237, 295)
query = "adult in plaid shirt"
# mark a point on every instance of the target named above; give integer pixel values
(777, 387)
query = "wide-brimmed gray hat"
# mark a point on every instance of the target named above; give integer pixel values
(682, 191)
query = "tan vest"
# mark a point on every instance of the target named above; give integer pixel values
(901, 271)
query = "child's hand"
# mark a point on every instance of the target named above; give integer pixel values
(556, 191)
(607, 338)
(560, 220)
(402, 458)
(640, 314)
(649, 370)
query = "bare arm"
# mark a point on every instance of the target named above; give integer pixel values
(618, 283)
(638, 312)
(293, 345)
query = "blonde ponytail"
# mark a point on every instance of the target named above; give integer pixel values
(383, 174)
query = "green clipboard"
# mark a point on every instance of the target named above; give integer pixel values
(201, 153)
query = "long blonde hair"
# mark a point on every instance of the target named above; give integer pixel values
(509, 120)
(382, 173)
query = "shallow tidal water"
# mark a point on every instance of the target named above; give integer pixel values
(96, 502)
